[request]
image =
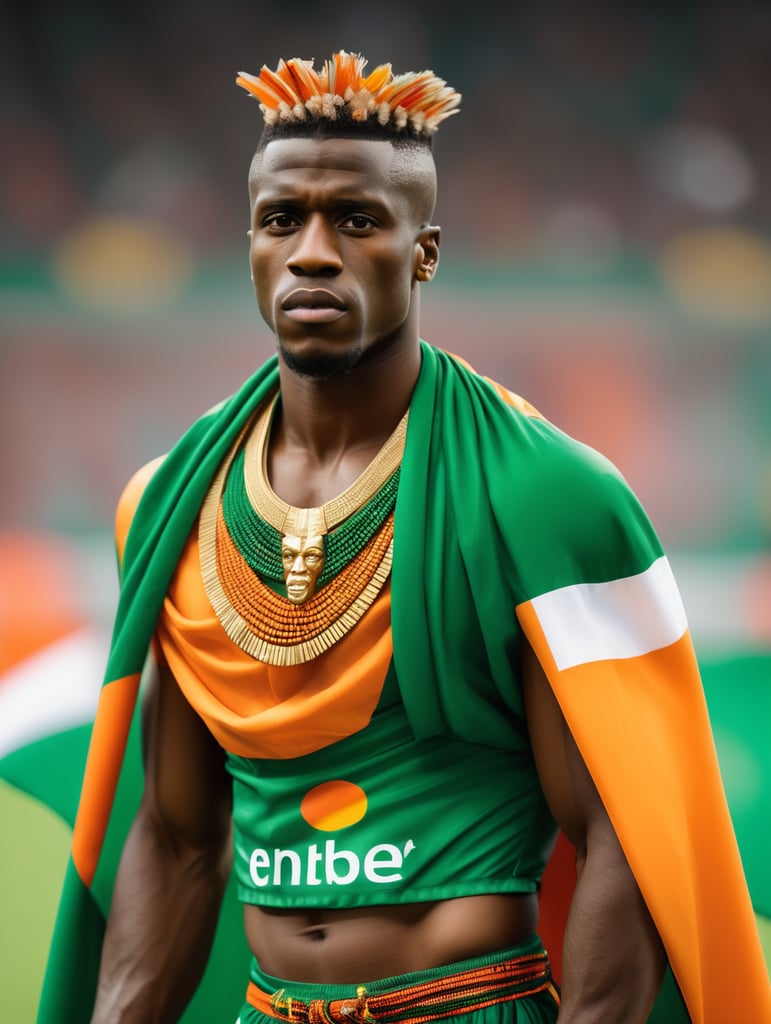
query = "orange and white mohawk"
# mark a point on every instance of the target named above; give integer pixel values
(295, 91)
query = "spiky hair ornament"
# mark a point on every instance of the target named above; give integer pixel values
(295, 91)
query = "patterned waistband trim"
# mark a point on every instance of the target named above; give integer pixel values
(431, 1000)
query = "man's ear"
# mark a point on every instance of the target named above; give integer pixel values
(427, 253)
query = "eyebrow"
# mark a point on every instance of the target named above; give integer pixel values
(341, 205)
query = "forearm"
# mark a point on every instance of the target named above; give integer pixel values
(162, 922)
(613, 959)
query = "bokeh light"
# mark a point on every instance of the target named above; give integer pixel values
(118, 265)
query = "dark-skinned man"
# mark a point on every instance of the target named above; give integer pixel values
(402, 629)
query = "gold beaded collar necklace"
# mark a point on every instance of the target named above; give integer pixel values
(293, 629)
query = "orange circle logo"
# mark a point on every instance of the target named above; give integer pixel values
(334, 805)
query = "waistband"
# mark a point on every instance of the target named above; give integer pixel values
(410, 998)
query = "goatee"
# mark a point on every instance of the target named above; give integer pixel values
(317, 365)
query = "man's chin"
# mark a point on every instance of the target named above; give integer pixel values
(319, 365)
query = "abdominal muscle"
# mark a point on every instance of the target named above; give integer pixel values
(367, 943)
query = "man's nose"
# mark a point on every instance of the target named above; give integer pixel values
(316, 250)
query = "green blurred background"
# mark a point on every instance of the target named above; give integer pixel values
(605, 198)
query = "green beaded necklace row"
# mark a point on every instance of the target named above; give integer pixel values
(259, 543)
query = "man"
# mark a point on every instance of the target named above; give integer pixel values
(401, 626)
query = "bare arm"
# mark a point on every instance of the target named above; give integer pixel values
(173, 870)
(613, 960)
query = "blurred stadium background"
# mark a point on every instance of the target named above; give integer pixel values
(605, 196)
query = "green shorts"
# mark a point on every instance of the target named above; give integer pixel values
(513, 986)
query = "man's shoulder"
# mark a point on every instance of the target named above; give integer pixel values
(571, 498)
(533, 442)
(507, 396)
(129, 499)
(515, 401)
(558, 469)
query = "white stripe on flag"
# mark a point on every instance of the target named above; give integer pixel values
(54, 689)
(624, 618)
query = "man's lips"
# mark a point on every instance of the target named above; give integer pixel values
(313, 305)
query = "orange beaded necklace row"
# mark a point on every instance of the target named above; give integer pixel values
(264, 623)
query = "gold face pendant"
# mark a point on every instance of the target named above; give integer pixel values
(303, 561)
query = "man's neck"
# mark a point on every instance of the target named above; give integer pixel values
(327, 417)
(329, 430)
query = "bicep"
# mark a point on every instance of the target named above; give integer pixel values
(567, 785)
(186, 784)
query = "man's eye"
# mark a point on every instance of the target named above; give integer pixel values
(358, 222)
(280, 220)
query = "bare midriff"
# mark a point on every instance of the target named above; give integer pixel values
(363, 944)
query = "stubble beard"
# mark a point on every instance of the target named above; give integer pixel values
(317, 365)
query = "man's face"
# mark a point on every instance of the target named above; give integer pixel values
(336, 240)
(303, 559)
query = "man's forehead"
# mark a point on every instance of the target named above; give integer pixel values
(373, 166)
(363, 156)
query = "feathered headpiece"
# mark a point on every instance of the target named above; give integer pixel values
(296, 92)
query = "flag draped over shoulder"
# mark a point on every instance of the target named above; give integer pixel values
(112, 781)
(593, 592)
(502, 524)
